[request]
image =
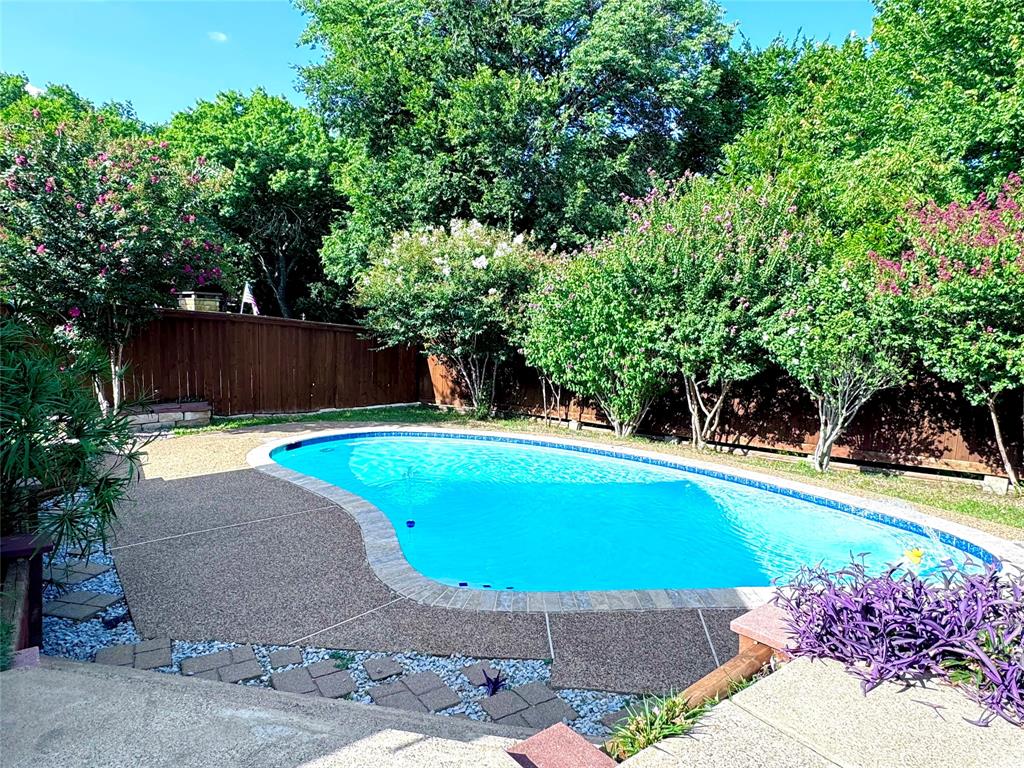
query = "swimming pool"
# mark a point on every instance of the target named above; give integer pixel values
(509, 514)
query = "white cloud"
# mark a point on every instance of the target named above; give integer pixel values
(33, 90)
(217, 37)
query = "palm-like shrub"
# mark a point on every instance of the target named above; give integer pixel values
(64, 465)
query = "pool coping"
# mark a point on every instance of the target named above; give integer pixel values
(385, 556)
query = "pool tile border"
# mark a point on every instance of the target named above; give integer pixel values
(385, 557)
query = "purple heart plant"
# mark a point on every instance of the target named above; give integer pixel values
(964, 627)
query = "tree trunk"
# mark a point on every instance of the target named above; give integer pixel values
(101, 398)
(1011, 473)
(117, 375)
(703, 419)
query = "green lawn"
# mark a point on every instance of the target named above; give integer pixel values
(961, 502)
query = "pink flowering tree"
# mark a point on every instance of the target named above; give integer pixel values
(734, 251)
(962, 279)
(97, 232)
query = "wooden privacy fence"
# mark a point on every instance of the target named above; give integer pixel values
(927, 425)
(247, 364)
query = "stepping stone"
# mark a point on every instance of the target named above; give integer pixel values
(404, 701)
(380, 692)
(437, 699)
(245, 670)
(548, 713)
(154, 659)
(379, 669)
(86, 597)
(73, 572)
(73, 611)
(535, 693)
(475, 672)
(116, 656)
(514, 719)
(198, 665)
(421, 682)
(335, 685)
(321, 668)
(242, 653)
(154, 644)
(503, 704)
(612, 719)
(285, 657)
(293, 681)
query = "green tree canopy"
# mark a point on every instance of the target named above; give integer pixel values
(278, 198)
(932, 105)
(533, 115)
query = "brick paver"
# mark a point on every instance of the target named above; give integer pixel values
(149, 654)
(437, 699)
(73, 571)
(239, 671)
(285, 657)
(335, 685)
(502, 704)
(293, 681)
(406, 701)
(475, 672)
(379, 669)
(79, 606)
(421, 682)
(533, 704)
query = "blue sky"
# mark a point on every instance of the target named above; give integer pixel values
(164, 55)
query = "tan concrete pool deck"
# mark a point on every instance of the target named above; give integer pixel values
(214, 549)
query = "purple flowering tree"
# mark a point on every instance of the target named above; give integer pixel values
(962, 280)
(97, 232)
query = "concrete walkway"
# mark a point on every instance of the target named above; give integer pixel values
(213, 549)
(814, 715)
(75, 715)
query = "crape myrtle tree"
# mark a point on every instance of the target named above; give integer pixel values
(278, 199)
(598, 325)
(842, 340)
(457, 293)
(962, 280)
(97, 232)
(734, 251)
(531, 115)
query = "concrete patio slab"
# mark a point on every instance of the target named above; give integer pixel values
(634, 652)
(728, 737)
(161, 508)
(821, 706)
(253, 583)
(406, 626)
(227, 726)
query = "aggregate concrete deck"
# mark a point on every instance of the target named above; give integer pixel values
(84, 715)
(213, 549)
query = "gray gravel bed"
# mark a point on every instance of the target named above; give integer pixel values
(80, 640)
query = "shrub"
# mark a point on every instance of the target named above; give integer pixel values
(457, 293)
(842, 341)
(599, 326)
(962, 280)
(656, 719)
(966, 627)
(64, 466)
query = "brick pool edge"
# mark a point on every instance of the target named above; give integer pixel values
(385, 556)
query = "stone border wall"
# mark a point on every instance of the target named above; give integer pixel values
(165, 416)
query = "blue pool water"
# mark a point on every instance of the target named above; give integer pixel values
(505, 515)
